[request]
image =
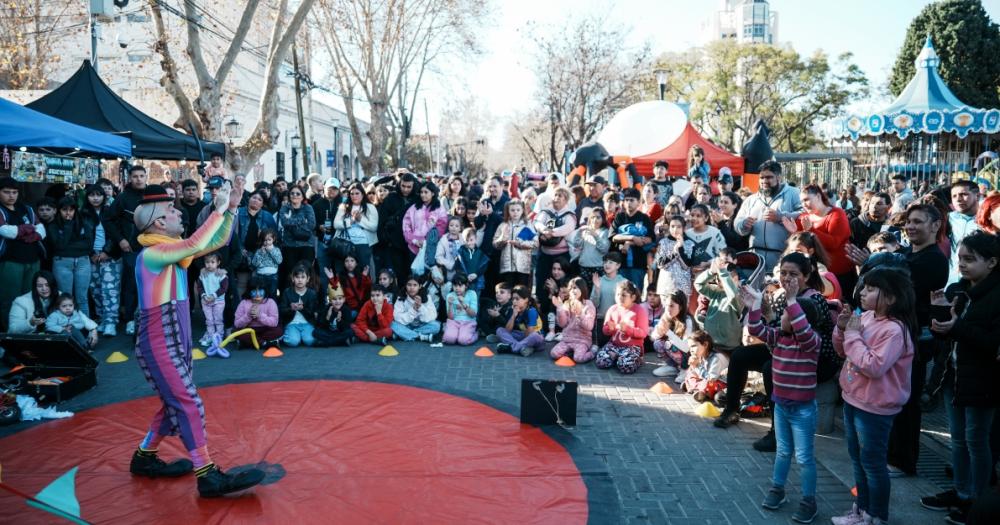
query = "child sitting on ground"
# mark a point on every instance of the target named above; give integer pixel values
(654, 309)
(576, 317)
(335, 328)
(357, 285)
(66, 319)
(669, 336)
(374, 321)
(213, 282)
(257, 310)
(558, 279)
(460, 328)
(265, 261)
(299, 308)
(414, 316)
(387, 278)
(627, 327)
(493, 314)
(521, 334)
(703, 377)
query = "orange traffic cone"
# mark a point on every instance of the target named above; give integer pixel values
(484, 352)
(661, 388)
(273, 351)
(565, 361)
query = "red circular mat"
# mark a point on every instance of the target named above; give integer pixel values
(351, 451)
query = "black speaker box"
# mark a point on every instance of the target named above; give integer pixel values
(49, 355)
(548, 402)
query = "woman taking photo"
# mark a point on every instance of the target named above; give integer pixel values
(297, 225)
(357, 222)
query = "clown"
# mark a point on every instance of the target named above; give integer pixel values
(163, 337)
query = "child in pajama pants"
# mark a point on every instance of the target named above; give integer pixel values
(214, 283)
(522, 333)
(460, 328)
(576, 317)
(627, 326)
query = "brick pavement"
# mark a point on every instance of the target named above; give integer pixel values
(647, 454)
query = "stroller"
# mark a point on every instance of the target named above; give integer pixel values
(750, 268)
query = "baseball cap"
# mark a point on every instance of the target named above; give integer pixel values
(597, 179)
(725, 175)
(332, 182)
(216, 181)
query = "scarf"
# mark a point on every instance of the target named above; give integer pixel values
(152, 239)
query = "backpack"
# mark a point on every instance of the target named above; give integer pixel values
(553, 223)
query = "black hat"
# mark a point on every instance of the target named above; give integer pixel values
(662, 163)
(597, 179)
(155, 193)
(216, 181)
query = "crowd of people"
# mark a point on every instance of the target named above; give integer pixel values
(890, 294)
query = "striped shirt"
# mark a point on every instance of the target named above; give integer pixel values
(793, 356)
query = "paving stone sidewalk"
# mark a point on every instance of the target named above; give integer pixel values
(659, 461)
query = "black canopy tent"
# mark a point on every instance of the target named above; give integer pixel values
(86, 100)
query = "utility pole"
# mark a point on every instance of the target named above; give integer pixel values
(298, 107)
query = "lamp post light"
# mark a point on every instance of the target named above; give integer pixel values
(232, 129)
(661, 79)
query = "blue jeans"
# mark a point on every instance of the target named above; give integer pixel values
(73, 277)
(409, 333)
(970, 445)
(298, 333)
(868, 444)
(795, 430)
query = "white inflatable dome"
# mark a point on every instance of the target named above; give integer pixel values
(643, 128)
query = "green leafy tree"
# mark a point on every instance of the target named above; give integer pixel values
(968, 43)
(731, 85)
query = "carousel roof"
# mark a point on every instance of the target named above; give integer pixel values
(925, 105)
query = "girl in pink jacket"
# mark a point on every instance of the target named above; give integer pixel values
(576, 317)
(421, 217)
(875, 381)
(257, 310)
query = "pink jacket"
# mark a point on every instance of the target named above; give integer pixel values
(876, 375)
(267, 315)
(577, 329)
(417, 222)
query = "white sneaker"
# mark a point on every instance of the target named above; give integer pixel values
(109, 331)
(680, 377)
(549, 337)
(853, 517)
(559, 336)
(205, 340)
(665, 370)
(427, 338)
(130, 328)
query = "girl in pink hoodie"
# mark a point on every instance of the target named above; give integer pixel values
(576, 317)
(875, 381)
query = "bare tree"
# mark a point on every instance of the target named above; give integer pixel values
(204, 112)
(584, 79)
(28, 31)
(380, 52)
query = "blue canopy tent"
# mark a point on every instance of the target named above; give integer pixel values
(925, 131)
(26, 128)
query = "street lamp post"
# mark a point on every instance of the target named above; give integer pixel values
(232, 129)
(661, 79)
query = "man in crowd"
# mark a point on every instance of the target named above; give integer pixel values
(21, 247)
(325, 210)
(122, 234)
(594, 188)
(488, 218)
(871, 220)
(191, 204)
(962, 219)
(660, 180)
(391, 244)
(902, 195)
(762, 213)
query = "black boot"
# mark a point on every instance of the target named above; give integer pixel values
(215, 482)
(151, 466)
(766, 443)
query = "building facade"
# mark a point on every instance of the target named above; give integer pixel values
(746, 21)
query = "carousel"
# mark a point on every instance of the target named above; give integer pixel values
(926, 132)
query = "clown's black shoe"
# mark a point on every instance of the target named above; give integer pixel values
(215, 482)
(151, 466)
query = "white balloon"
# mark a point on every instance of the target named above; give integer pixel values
(643, 128)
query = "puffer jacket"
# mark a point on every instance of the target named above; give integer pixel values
(765, 235)
(418, 221)
(975, 368)
(515, 259)
(297, 226)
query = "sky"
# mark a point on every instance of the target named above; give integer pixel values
(873, 30)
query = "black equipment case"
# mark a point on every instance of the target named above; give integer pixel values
(49, 355)
(548, 402)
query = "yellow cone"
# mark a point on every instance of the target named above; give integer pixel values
(116, 357)
(388, 351)
(197, 354)
(707, 409)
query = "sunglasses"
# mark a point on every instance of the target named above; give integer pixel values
(256, 294)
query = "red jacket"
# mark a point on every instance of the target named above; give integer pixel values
(833, 232)
(368, 320)
(357, 290)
